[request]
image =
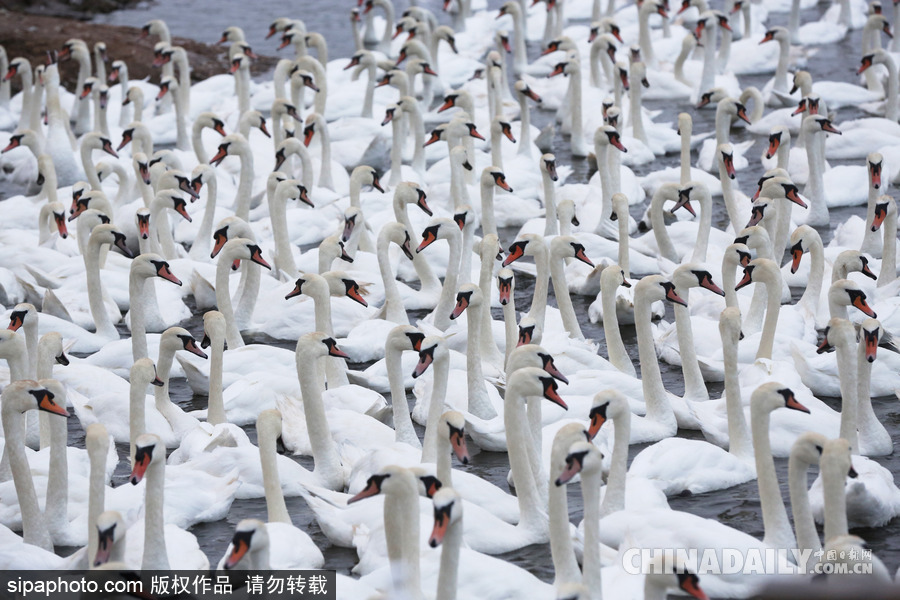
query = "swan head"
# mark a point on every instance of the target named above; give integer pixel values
(405, 337)
(533, 355)
(607, 404)
(548, 166)
(583, 457)
(179, 338)
(845, 292)
(528, 332)
(51, 344)
(808, 448)
(505, 284)
(566, 246)
(448, 509)
(232, 34)
(153, 265)
(762, 270)
(230, 228)
(565, 210)
(408, 192)
(143, 372)
(469, 295)
(279, 24)
(656, 287)
(340, 284)
(25, 137)
(839, 332)
(233, 143)
(608, 135)
(802, 240)
(813, 124)
(214, 327)
(874, 162)
(884, 206)
(712, 97)
(730, 325)
(292, 189)
(871, 335)
(243, 249)
(836, 461)
(316, 345)
(533, 382)
(250, 536)
(107, 234)
(148, 450)
(452, 426)
(613, 276)
(254, 118)
(528, 243)
(431, 348)
(201, 174)
(777, 34)
(110, 529)
(491, 176)
(441, 228)
(691, 275)
(22, 313)
(393, 479)
(771, 395)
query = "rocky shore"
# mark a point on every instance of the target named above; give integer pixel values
(31, 35)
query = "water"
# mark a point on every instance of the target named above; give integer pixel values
(737, 507)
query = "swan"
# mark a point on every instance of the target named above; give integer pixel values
(252, 546)
(149, 463)
(18, 398)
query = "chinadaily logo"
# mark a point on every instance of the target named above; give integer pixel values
(759, 561)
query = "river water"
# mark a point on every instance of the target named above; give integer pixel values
(738, 506)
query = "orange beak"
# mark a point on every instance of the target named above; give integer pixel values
(140, 469)
(461, 304)
(441, 523)
(860, 303)
(370, 490)
(516, 251)
(240, 548)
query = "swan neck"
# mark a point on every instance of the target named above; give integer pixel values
(807, 536)
(155, 555)
(775, 521)
(659, 409)
(223, 303)
(327, 461)
(34, 527)
(137, 288)
(431, 439)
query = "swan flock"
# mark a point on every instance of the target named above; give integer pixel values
(320, 254)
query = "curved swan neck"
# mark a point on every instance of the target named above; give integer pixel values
(775, 521)
(34, 527)
(807, 536)
(618, 356)
(563, 299)
(694, 386)
(102, 323)
(659, 409)
(223, 302)
(431, 441)
(328, 463)
(403, 427)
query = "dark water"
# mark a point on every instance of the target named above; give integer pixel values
(737, 507)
